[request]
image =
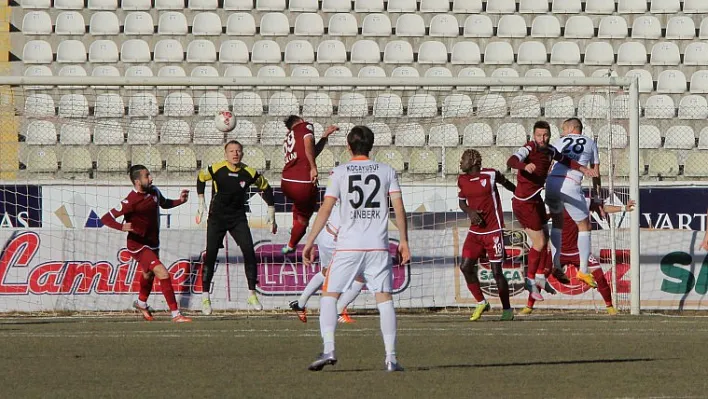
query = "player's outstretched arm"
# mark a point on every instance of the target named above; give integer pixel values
(402, 224)
(571, 163)
(504, 182)
(202, 178)
(616, 209)
(322, 142)
(171, 203)
(308, 254)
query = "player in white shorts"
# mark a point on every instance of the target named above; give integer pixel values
(564, 192)
(363, 188)
(326, 242)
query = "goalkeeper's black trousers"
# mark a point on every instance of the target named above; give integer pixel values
(239, 230)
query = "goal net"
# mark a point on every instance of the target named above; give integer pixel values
(67, 144)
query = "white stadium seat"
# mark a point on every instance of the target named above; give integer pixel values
(71, 52)
(247, 104)
(233, 51)
(273, 133)
(32, 4)
(405, 72)
(600, 7)
(371, 71)
(398, 52)
(76, 160)
(466, 53)
(410, 25)
(212, 102)
(104, 23)
(275, 24)
(579, 27)
(703, 30)
(444, 25)
(703, 139)
(265, 52)
(365, 52)
(696, 53)
(545, 26)
(108, 132)
(135, 50)
(680, 28)
(283, 104)
(646, 82)
(138, 23)
(40, 133)
(599, 53)
(533, 6)
(139, 71)
(434, 6)
(171, 71)
(303, 6)
(478, 26)
(36, 23)
(680, 138)
(457, 106)
(317, 105)
(37, 52)
(432, 52)
(467, 6)
(671, 81)
(142, 105)
(443, 136)
(270, 5)
(525, 106)
(203, 4)
(72, 70)
(566, 7)
(659, 106)
(693, 107)
(498, 53)
(409, 135)
(342, 25)
(172, 23)
(511, 26)
(336, 5)
(103, 5)
(612, 27)
(382, 133)
(437, 72)
(538, 73)
(205, 133)
(175, 131)
(201, 51)
(646, 27)
(368, 6)
(491, 106)
(169, 4)
(631, 53)
(309, 24)
(179, 105)
(559, 107)
(695, 7)
(241, 24)
(388, 106)
(592, 106)
(331, 52)
(616, 134)
(422, 106)
(649, 137)
(299, 52)
(665, 53)
(403, 6)
(478, 134)
(135, 5)
(376, 25)
(206, 24)
(39, 106)
(75, 133)
(68, 4)
(532, 53)
(109, 105)
(699, 82)
(511, 135)
(271, 71)
(42, 160)
(665, 6)
(631, 6)
(169, 50)
(501, 7)
(204, 71)
(38, 70)
(103, 51)
(565, 53)
(238, 5)
(353, 105)
(238, 71)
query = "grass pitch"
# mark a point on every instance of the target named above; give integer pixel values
(445, 356)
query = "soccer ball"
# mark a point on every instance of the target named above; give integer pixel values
(225, 121)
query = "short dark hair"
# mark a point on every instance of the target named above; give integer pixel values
(233, 142)
(134, 172)
(291, 121)
(575, 123)
(542, 125)
(360, 140)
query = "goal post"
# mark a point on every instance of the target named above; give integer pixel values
(421, 125)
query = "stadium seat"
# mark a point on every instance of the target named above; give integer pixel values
(206, 24)
(545, 26)
(70, 23)
(368, 6)
(273, 133)
(592, 106)
(620, 107)
(40, 133)
(422, 106)
(478, 134)
(109, 105)
(135, 5)
(498, 53)
(703, 139)
(309, 24)
(402, 6)
(649, 137)
(387, 106)
(599, 53)
(559, 107)
(180, 159)
(538, 73)
(494, 158)
(203, 4)
(511, 135)
(146, 155)
(142, 131)
(696, 53)
(210, 103)
(353, 105)
(680, 28)
(72, 70)
(76, 160)
(665, 6)
(283, 104)
(256, 158)
(271, 71)
(612, 27)
(491, 106)
(671, 81)
(205, 133)
(33, 4)
(299, 52)
(513, 26)
(693, 107)
(73, 106)
(504, 73)
(389, 156)
(432, 52)
(444, 25)
(376, 25)
(665, 53)
(659, 106)
(471, 72)
(138, 23)
(703, 30)
(171, 71)
(204, 71)
(365, 52)
(175, 131)
(265, 52)
(696, 164)
(565, 53)
(270, 5)
(41, 160)
(304, 71)
(646, 82)
(135, 51)
(409, 135)
(237, 71)
(566, 7)
(104, 23)
(112, 160)
(169, 4)
(371, 71)
(600, 7)
(423, 161)
(275, 24)
(434, 6)
(169, 50)
(172, 23)
(532, 53)
(533, 6)
(501, 7)
(342, 25)
(680, 138)
(233, 51)
(201, 51)
(646, 27)
(404, 72)
(699, 82)
(631, 6)
(71, 52)
(525, 106)
(142, 105)
(303, 6)
(68, 4)
(37, 23)
(616, 132)
(241, 24)
(410, 25)
(457, 106)
(465, 53)
(631, 53)
(382, 133)
(663, 163)
(108, 132)
(695, 7)
(478, 26)
(179, 105)
(238, 5)
(579, 27)
(139, 71)
(75, 133)
(467, 6)
(317, 105)
(245, 132)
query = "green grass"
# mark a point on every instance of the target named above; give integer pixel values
(559, 355)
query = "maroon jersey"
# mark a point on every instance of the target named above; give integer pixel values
(530, 184)
(480, 192)
(297, 167)
(142, 211)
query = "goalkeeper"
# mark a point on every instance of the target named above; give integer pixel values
(231, 180)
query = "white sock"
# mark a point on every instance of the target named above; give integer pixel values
(584, 246)
(328, 321)
(142, 304)
(556, 241)
(175, 313)
(312, 286)
(387, 315)
(205, 295)
(349, 296)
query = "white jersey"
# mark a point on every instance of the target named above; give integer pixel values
(362, 187)
(581, 149)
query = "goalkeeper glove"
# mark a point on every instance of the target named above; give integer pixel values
(200, 210)
(271, 219)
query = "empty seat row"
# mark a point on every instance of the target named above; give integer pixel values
(407, 25)
(434, 6)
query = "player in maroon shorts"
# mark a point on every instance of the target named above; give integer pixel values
(533, 161)
(571, 256)
(141, 219)
(299, 181)
(479, 199)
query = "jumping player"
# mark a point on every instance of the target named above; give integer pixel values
(363, 188)
(299, 181)
(570, 254)
(564, 192)
(141, 220)
(479, 199)
(533, 161)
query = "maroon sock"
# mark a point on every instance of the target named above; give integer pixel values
(534, 261)
(476, 291)
(169, 293)
(530, 302)
(297, 232)
(546, 261)
(145, 286)
(602, 286)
